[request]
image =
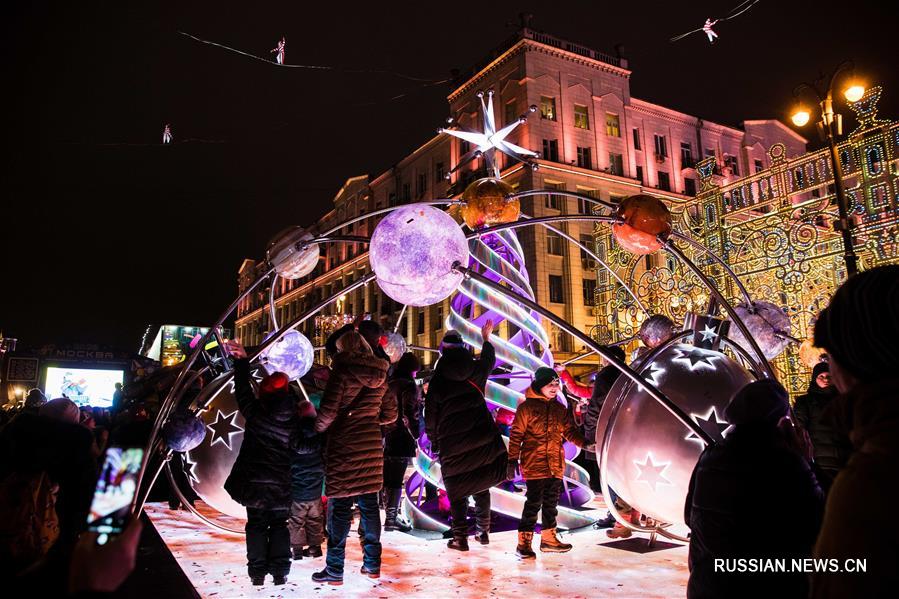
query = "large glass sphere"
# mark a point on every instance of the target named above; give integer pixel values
(488, 202)
(289, 261)
(412, 252)
(183, 431)
(651, 454)
(292, 354)
(644, 218)
(395, 348)
(765, 321)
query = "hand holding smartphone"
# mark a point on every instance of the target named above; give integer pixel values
(115, 490)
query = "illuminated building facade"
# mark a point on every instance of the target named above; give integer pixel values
(774, 228)
(593, 138)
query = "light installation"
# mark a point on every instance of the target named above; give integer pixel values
(658, 416)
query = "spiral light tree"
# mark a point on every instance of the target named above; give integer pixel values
(653, 425)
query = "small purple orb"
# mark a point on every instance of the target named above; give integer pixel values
(292, 354)
(183, 431)
(412, 253)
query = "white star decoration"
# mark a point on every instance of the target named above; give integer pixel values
(696, 358)
(223, 428)
(651, 375)
(708, 333)
(651, 473)
(190, 470)
(710, 423)
(487, 142)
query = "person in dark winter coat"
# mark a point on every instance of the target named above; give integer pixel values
(540, 427)
(463, 434)
(401, 437)
(307, 473)
(859, 330)
(733, 480)
(832, 448)
(353, 409)
(260, 477)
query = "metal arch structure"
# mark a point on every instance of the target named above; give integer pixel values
(519, 303)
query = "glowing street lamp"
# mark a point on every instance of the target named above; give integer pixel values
(831, 125)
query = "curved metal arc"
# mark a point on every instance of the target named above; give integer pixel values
(562, 192)
(763, 365)
(542, 219)
(651, 390)
(719, 260)
(352, 221)
(191, 508)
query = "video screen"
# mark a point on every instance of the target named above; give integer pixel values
(84, 386)
(115, 490)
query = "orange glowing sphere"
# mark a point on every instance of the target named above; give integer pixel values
(488, 202)
(644, 218)
(809, 354)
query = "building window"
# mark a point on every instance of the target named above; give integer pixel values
(551, 150)
(589, 291)
(391, 199)
(556, 295)
(709, 152)
(583, 206)
(661, 146)
(731, 162)
(664, 181)
(613, 125)
(686, 155)
(587, 260)
(637, 139)
(584, 157)
(421, 321)
(690, 186)
(581, 117)
(616, 164)
(438, 323)
(439, 172)
(464, 147)
(554, 201)
(407, 192)
(554, 244)
(759, 165)
(615, 198)
(422, 187)
(547, 108)
(511, 114)
(640, 174)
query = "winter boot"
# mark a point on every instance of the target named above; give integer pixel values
(370, 572)
(550, 543)
(524, 550)
(325, 576)
(607, 522)
(619, 531)
(392, 520)
(298, 553)
(279, 580)
(482, 526)
(459, 542)
(312, 551)
(257, 581)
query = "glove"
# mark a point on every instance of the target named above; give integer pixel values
(511, 469)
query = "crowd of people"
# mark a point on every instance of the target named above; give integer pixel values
(820, 471)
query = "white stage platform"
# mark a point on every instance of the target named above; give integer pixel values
(413, 566)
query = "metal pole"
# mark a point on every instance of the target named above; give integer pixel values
(844, 226)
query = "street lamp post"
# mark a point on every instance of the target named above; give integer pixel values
(826, 126)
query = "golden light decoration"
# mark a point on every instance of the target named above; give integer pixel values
(854, 92)
(488, 202)
(800, 117)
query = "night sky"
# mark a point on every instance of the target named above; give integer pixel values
(104, 230)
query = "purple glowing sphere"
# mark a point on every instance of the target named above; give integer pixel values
(395, 348)
(767, 323)
(412, 253)
(183, 431)
(292, 354)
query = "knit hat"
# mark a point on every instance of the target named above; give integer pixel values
(820, 368)
(860, 327)
(274, 383)
(542, 377)
(452, 338)
(759, 402)
(61, 408)
(372, 332)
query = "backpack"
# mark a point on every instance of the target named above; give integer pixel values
(30, 525)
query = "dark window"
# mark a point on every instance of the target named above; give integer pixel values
(556, 295)
(421, 321)
(547, 108)
(661, 146)
(731, 162)
(581, 117)
(551, 150)
(464, 147)
(709, 152)
(587, 260)
(640, 174)
(636, 139)
(439, 172)
(554, 201)
(584, 157)
(583, 206)
(407, 192)
(690, 186)
(664, 181)
(511, 114)
(589, 291)
(686, 155)
(554, 245)
(438, 323)
(616, 164)
(759, 166)
(391, 199)
(422, 184)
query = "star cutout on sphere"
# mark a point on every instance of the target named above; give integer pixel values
(708, 333)
(190, 469)
(710, 423)
(696, 358)
(486, 143)
(651, 473)
(223, 428)
(651, 375)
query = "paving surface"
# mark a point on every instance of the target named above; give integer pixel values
(412, 566)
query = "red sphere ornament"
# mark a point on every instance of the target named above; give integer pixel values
(643, 220)
(488, 202)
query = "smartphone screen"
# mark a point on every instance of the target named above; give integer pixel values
(111, 506)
